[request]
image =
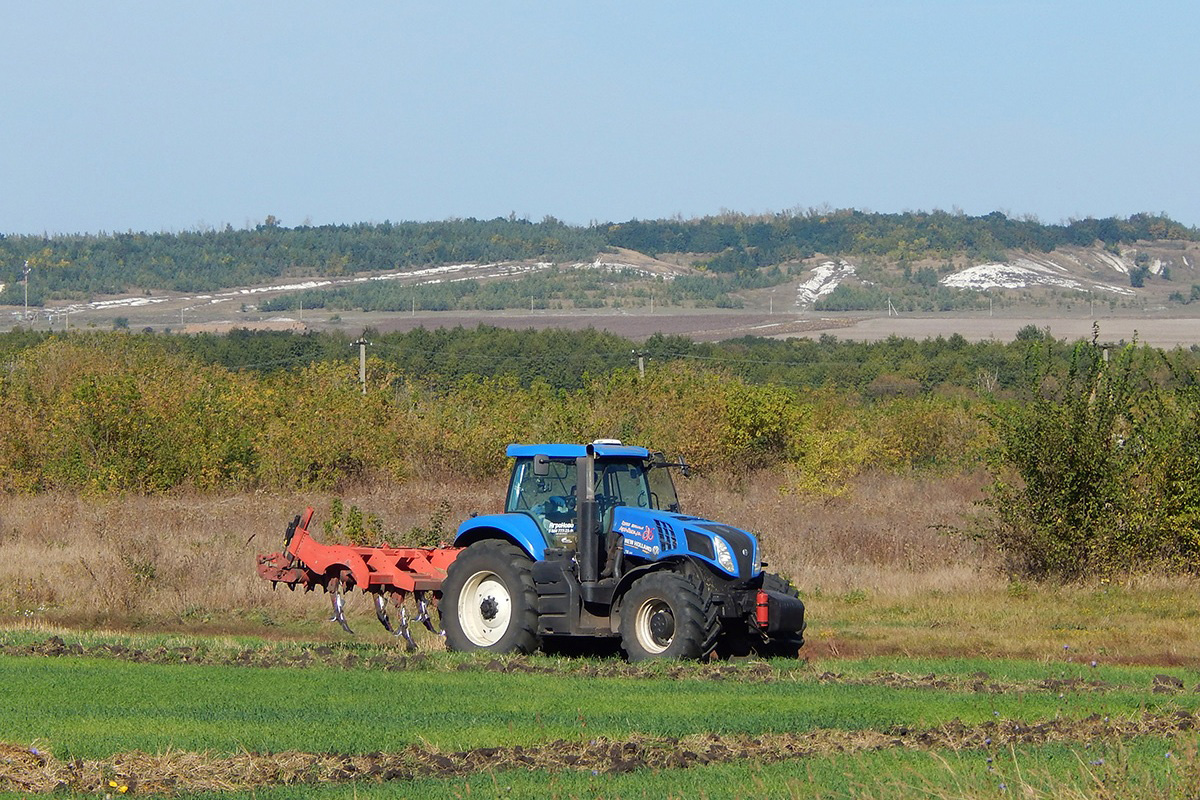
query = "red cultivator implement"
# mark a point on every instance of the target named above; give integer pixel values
(385, 573)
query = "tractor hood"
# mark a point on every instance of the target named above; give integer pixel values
(657, 535)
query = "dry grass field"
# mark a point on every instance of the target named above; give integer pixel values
(880, 569)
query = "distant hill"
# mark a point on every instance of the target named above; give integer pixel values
(831, 259)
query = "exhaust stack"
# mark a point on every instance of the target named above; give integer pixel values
(586, 522)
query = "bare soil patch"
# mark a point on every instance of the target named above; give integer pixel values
(740, 671)
(700, 326)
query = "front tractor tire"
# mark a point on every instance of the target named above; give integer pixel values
(490, 599)
(667, 615)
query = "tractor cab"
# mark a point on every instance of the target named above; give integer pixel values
(545, 486)
(633, 512)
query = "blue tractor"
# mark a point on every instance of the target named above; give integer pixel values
(593, 543)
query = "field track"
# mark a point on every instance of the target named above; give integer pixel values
(749, 671)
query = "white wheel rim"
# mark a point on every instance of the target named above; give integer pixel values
(642, 625)
(484, 608)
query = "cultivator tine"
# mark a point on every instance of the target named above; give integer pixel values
(385, 620)
(409, 644)
(337, 589)
(382, 613)
(389, 574)
(423, 614)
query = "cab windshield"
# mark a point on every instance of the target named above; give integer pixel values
(662, 489)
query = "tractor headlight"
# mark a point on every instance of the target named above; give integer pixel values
(724, 555)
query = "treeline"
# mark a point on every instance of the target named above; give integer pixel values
(75, 266)
(82, 265)
(742, 242)
(910, 298)
(564, 359)
(553, 289)
(120, 413)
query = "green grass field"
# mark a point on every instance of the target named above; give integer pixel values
(793, 729)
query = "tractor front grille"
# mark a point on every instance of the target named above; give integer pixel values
(700, 544)
(666, 535)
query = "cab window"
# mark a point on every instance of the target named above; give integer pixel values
(549, 499)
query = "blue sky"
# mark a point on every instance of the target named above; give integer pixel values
(178, 115)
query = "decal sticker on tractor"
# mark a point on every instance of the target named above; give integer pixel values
(643, 532)
(638, 546)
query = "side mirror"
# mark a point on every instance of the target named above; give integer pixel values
(541, 465)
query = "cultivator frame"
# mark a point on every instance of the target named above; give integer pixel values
(385, 573)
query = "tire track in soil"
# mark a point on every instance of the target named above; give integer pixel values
(741, 672)
(31, 770)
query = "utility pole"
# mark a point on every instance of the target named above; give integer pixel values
(362, 362)
(26, 281)
(640, 355)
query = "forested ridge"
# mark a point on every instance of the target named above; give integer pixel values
(75, 266)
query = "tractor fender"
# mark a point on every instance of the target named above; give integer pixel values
(632, 575)
(519, 529)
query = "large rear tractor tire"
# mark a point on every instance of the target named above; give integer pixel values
(668, 615)
(489, 601)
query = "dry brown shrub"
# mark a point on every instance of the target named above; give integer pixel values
(887, 535)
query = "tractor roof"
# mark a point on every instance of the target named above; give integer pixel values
(603, 449)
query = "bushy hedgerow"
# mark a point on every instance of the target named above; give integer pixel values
(118, 412)
(1097, 471)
